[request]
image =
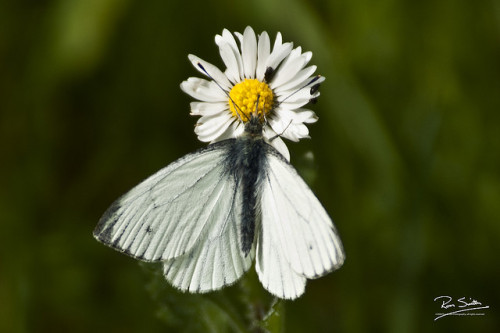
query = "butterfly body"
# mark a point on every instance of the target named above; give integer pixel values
(246, 157)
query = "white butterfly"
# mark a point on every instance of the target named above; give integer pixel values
(207, 216)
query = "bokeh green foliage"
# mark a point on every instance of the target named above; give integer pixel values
(406, 159)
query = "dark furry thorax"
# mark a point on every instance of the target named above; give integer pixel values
(253, 127)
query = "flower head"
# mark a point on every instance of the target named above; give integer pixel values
(274, 83)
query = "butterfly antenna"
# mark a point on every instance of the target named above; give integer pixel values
(265, 118)
(312, 91)
(256, 112)
(314, 88)
(224, 90)
(279, 135)
(264, 114)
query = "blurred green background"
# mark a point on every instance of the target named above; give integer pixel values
(406, 151)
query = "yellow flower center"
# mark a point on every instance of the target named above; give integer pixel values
(245, 94)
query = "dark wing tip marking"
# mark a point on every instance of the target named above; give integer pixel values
(102, 231)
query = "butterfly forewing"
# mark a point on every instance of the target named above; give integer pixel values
(164, 216)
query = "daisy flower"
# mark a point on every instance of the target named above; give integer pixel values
(276, 82)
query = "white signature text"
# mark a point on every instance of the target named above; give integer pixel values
(458, 307)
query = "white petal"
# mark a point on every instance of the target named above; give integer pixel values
(229, 38)
(233, 131)
(280, 52)
(298, 81)
(290, 124)
(279, 124)
(275, 140)
(286, 72)
(300, 95)
(279, 39)
(209, 128)
(307, 56)
(240, 128)
(203, 90)
(226, 53)
(288, 130)
(275, 58)
(230, 55)
(280, 146)
(295, 132)
(294, 54)
(295, 101)
(318, 79)
(264, 50)
(314, 80)
(214, 72)
(290, 68)
(298, 116)
(249, 53)
(305, 116)
(207, 109)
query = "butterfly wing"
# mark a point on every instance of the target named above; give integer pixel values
(187, 215)
(298, 239)
(275, 273)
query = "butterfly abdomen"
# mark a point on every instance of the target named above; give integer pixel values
(246, 160)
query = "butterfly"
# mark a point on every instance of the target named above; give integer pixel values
(210, 214)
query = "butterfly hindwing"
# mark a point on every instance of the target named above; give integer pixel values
(295, 227)
(275, 273)
(217, 260)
